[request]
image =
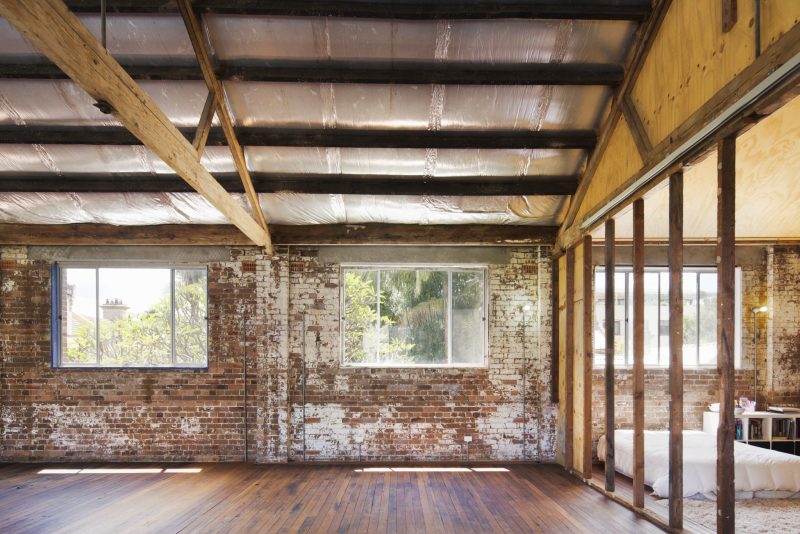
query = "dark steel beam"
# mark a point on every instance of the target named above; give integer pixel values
(394, 9)
(297, 137)
(319, 184)
(404, 72)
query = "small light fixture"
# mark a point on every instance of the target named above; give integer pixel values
(760, 309)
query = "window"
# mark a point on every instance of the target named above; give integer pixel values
(414, 316)
(699, 317)
(129, 317)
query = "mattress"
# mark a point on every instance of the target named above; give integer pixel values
(756, 469)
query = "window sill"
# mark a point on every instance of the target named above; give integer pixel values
(411, 366)
(131, 369)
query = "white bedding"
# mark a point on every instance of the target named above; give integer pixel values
(756, 469)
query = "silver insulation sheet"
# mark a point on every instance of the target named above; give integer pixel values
(280, 208)
(18, 160)
(162, 38)
(491, 41)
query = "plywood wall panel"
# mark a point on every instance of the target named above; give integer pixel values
(690, 60)
(620, 161)
(777, 17)
(579, 387)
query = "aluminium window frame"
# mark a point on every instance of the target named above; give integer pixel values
(57, 319)
(449, 268)
(627, 327)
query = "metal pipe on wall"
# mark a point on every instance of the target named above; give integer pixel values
(244, 376)
(303, 383)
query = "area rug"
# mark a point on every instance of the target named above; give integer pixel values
(752, 515)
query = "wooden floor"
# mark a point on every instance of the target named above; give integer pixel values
(295, 498)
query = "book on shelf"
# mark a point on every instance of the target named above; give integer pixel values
(783, 409)
(756, 430)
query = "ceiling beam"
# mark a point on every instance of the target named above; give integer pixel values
(299, 137)
(342, 184)
(322, 234)
(395, 9)
(196, 36)
(59, 34)
(402, 72)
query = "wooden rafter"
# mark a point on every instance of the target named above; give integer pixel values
(197, 38)
(54, 30)
(646, 35)
(204, 125)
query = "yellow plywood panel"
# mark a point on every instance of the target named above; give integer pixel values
(620, 161)
(562, 346)
(689, 61)
(777, 17)
(577, 369)
(768, 176)
(767, 187)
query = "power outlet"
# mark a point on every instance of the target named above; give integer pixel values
(467, 439)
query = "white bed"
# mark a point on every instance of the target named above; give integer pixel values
(757, 469)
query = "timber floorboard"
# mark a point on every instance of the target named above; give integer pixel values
(305, 498)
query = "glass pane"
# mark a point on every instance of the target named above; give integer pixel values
(708, 318)
(467, 329)
(190, 317)
(651, 319)
(629, 320)
(663, 329)
(599, 327)
(361, 316)
(78, 316)
(135, 315)
(620, 325)
(690, 319)
(413, 317)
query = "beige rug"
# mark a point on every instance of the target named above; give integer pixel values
(754, 516)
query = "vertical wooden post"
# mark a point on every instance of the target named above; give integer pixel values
(554, 331)
(610, 265)
(729, 15)
(588, 350)
(569, 386)
(676, 350)
(638, 353)
(726, 199)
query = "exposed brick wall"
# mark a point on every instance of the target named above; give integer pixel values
(401, 414)
(774, 282)
(780, 371)
(700, 388)
(389, 414)
(136, 415)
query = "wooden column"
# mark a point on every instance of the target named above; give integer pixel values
(726, 197)
(569, 385)
(676, 350)
(610, 265)
(588, 349)
(638, 353)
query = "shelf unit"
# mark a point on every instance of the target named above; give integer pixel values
(769, 430)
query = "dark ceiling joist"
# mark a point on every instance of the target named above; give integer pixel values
(323, 234)
(339, 137)
(316, 184)
(415, 73)
(394, 9)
